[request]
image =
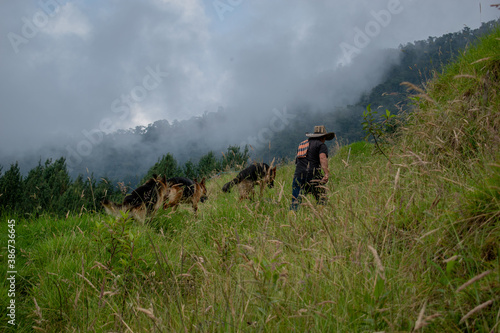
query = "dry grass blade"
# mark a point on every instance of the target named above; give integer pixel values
(413, 87)
(124, 323)
(282, 189)
(421, 94)
(274, 159)
(420, 323)
(455, 257)
(481, 60)
(428, 233)
(77, 297)
(471, 281)
(391, 198)
(148, 312)
(184, 275)
(102, 266)
(466, 76)
(87, 280)
(38, 311)
(378, 262)
(247, 247)
(420, 160)
(476, 309)
(396, 179)
(423, 322)
(38, 320)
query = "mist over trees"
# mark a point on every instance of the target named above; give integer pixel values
(420, 61)
(124, 159)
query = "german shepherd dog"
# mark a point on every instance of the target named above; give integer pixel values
(143, 202)
(185, 190)
(256, 174)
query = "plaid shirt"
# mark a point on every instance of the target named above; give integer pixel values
(302, 150)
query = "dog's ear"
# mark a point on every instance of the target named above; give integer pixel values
(202, 181)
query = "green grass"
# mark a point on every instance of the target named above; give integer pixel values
(389, 252)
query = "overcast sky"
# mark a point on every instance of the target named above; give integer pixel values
(67, 67)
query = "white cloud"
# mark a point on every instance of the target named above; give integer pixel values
(69, 20)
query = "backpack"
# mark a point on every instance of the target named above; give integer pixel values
(302, 150)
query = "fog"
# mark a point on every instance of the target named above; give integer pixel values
(72, 71)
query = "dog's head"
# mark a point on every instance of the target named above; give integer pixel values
(200, 186)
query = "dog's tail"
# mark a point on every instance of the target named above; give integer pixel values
(111, 208)
(114, 209)
(227, 186)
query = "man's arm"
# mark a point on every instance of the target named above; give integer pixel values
(323, 160)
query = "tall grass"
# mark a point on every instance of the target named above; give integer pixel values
(408, 246)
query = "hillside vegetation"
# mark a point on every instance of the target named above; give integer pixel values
(409, 246)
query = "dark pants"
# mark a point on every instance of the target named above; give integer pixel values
(307, 184)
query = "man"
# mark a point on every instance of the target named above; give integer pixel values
(311, 159)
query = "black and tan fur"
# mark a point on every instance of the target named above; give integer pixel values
(143, 202)
(256, 174)
(185, 190)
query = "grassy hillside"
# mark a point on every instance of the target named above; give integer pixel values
(408, 246)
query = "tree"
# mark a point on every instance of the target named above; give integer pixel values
(190, 170)
(57, 182)
(208, 164)
(45, 187)
(32, 189)
(167, 166)
(11, 189)
(234, 158)
(104, 189)
(76, 199)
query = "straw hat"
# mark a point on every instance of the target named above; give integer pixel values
(319, 132)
